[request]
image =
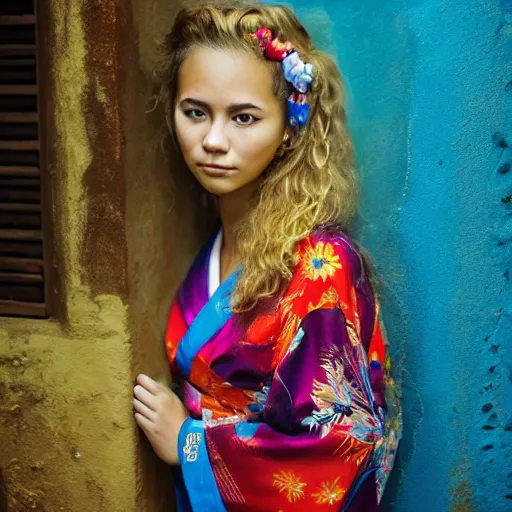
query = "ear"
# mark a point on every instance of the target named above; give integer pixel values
(288, 136)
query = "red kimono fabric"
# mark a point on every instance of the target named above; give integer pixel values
(295, 409)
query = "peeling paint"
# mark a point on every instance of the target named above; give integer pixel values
(66, 424)
(462, 498)
(71, 82)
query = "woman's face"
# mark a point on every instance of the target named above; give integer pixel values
(227, 119)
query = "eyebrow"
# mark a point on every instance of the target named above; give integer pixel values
(235, 107)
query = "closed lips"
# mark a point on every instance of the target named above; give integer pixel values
(215, 166)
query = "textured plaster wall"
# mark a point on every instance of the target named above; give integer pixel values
(66, 430)
(430, 104)
(161, 244)
(68, 439)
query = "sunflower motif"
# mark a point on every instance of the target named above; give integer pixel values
(329, 493)
(289, 484)
(322, 262)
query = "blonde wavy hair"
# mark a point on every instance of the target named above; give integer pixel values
(313, 182)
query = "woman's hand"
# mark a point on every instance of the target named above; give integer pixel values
(160, 414)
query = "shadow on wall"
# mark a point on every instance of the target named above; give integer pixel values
(164, 226)
(3, 492)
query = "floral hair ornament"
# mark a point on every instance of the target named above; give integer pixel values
(298, 74)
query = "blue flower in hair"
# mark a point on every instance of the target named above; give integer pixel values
(298, 110)
(300, 75)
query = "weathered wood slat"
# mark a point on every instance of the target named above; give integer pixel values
(19, 145)
(17, 50)
(20, 182)
(20, 195)
(21, 248)
(17, 220)
(20, 278)
(15, 308)
(20, 158)
(22, 292)
(21, 265)
(21, 234)
(18, 90)
(19, 117)
(17, 76)
(19, 171)
(24, 19)
(20, 207)
(16, 63)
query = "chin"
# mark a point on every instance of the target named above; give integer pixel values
(219, 187)
(222, 191)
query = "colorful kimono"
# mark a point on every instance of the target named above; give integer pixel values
(293, 410)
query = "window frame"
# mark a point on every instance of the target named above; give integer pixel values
(39, 19)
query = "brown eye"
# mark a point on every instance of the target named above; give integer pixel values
(195, 114)
(245, 119)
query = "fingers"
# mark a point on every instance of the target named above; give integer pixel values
(147, 398)
(143, 422)
(148, 383)
(144, 410)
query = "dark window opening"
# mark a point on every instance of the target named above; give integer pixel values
(23, 275)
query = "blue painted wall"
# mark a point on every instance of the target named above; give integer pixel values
(430, 102)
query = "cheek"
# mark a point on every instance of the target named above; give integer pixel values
(258, 145)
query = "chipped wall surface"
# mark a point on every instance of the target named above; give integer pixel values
(68, 440)
(66, 431)
(430, 103)
(161, 244)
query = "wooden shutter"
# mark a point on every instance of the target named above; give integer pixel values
(22, 276)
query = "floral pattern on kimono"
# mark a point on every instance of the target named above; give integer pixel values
(297, 409)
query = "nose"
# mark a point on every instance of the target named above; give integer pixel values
(215, 140)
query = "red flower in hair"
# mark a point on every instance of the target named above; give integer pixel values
(277, 50)
(298, 74)
(264, 33)
(274, 49)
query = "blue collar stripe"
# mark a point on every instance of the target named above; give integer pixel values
(214, 315)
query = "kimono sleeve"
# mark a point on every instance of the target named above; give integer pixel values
(314, 442)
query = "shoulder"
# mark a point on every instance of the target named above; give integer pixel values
(328, 276)
(329, 253)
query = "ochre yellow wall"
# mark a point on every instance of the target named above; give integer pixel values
(68, 442)
(160, 243)
(67, 436)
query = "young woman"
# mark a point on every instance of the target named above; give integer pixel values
(288, 402)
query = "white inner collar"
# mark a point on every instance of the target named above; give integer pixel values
(214, 266)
